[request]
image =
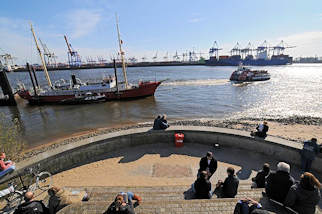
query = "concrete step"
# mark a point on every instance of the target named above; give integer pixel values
(161, 207)
(213, 206)
(173, 195)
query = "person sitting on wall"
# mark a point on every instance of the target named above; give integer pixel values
(31, 206)
(308, 153)
(228, 188)
(259, 180)
(249, 206)
(156, 123)
(163, 123)
(262, 129)
(202, 186)
(279, 183)
(304, 196)
(120, 206)
(208, 164)
(60, 198)
(6, 166)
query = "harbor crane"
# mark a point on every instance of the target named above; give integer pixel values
(236, 50)
(101, 60)
(262, 50)
(74, 58)
(50, 58)
(279, 49)
(176, 57)
(247, 52)
(7, 61)
(133, 60)
(214, 50)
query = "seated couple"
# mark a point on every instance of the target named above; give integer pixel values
(226, 189)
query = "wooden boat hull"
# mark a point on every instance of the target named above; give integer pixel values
(142, 90)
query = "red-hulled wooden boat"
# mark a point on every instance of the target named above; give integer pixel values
(77, 92)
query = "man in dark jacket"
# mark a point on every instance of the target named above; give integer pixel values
(119, 206)
(156, 124)
(31, 206)
(308, 153)
(260, 178)
(262, 129)
(163, 123)
(202, 186)
(228, 188)
(279, 183)
(208, 164)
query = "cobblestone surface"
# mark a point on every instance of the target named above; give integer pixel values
(167, 200)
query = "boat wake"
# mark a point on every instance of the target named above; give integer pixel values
(196, 82)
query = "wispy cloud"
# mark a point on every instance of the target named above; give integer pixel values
(307, 43)
(195, 20)
(82, 22)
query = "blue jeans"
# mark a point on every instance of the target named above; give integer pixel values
(6, 171)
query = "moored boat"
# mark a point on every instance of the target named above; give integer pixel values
(76, 92)
(245, 74)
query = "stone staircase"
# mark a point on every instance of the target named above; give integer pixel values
(165, 200)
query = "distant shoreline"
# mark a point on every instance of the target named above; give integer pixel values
(295, 129)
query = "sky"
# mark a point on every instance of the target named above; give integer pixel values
(157, 27)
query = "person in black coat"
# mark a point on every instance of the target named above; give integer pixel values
(202, 186)
(228, 188)
(262, 129)
(156, 124)
(304, 196)
(119, 206)
(260, 178)
(31, 206)
(163, 123)
(208, 164)
(279, 183)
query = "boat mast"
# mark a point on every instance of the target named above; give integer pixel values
(42, 58)
(121, 52)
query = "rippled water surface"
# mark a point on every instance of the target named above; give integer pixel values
(189, 92)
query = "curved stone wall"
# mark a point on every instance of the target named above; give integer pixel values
(96, 148)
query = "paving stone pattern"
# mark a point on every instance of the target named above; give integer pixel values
(166, 200)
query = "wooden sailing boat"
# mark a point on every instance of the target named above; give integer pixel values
(78, 92)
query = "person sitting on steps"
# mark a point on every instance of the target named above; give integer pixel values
(249, 206)
(31, 206)
(304, 196)
(6, 166)
(228, 188)
(279, 183)
(262, 129)
(259, 180)
(120, 206)
(202, 186)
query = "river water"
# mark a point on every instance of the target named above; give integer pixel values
(189, 92)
